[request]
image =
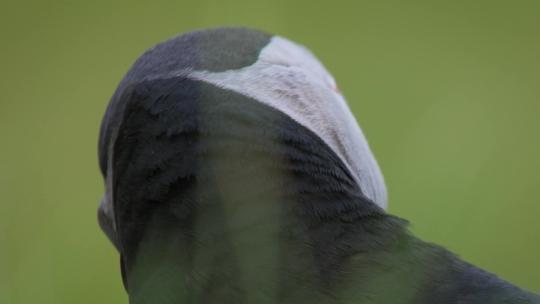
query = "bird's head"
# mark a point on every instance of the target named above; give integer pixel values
(266, 70)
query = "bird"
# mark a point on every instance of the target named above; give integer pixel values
(235, 172)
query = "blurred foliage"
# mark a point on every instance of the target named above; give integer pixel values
(446, 91)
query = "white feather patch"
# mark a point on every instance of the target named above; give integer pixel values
(290, 79)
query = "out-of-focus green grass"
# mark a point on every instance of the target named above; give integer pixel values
(448, 94)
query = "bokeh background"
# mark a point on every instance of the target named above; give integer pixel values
(447, 92)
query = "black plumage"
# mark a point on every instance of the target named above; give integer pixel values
(218, 198)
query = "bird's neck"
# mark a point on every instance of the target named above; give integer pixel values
(246, 247)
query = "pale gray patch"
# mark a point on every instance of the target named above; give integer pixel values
(289, 78)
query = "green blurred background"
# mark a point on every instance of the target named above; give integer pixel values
(447, 92)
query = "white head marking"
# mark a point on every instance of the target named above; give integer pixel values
(290, 79)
